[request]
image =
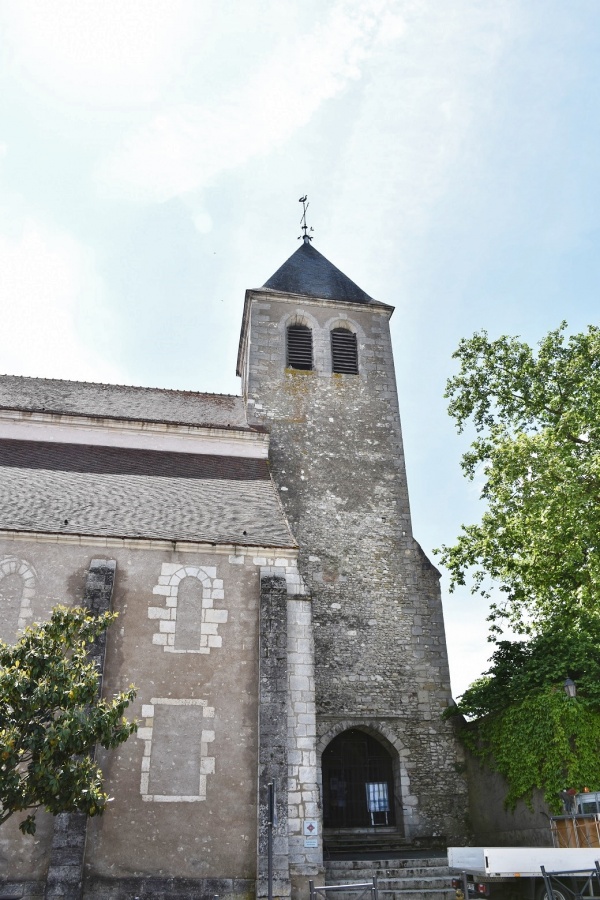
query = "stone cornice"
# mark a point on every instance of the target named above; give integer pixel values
(160, 436)
(238, 550)
(265, 295)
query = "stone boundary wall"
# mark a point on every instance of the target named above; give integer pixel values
(491, 823)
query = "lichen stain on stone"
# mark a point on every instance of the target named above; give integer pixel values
(297, 390)
(302, 373)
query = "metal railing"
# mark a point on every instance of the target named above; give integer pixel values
(574, 884)
(360, 888)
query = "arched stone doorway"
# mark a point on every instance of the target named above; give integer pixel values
(358, 782)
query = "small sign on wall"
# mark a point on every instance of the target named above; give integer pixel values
(311, 830)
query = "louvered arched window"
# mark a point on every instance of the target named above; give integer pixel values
(344, 351)
(299, 347)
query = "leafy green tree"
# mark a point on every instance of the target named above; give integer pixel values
(537, 449)
(51, 718)
(543, 662)
(524, 724)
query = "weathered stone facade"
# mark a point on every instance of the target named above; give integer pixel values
(337, 458)
(272, 602)
(212, 733)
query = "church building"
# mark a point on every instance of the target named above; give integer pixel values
(279, 620)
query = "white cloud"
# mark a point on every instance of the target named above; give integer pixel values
(49, 291)
(202, 221)
(466, 633)
(185, 147)
(113, 52)
(421, 129)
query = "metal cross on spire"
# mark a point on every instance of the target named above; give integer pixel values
(306, 236)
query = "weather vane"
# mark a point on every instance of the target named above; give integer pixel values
(306, 236)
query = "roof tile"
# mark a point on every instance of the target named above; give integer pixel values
(116, 401)
(308, 272)
(73, 489)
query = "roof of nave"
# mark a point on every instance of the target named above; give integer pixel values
(113, 492)
(308, 272)
(116, 401)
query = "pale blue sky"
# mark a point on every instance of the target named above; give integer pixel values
(152, 155)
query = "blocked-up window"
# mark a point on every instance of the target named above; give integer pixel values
(17, 589)
(178, 737)
(189, 614)
(299, 347)
(189, 621)
(344, 351)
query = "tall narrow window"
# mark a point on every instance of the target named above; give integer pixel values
(299, 347)
(344, 351)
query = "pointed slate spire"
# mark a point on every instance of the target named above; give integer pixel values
(308, 272)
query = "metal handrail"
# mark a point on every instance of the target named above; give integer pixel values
(360, 887)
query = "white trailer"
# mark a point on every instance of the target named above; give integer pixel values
(572, 872)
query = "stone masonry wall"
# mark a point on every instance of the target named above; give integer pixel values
(303, 791)
(337, 457)
(287, 726)
(492, 824)
(185, 786)
(65, 855)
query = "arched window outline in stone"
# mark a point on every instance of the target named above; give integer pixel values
(207, 763)
(299, 354)
(210, 618)
(344, 351)
(13, 565)
(337, 322)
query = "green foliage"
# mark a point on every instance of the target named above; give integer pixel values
(537, 422)
(546, 740)
(536, 417)
(525, 725)
(518, 668)
(51, 718)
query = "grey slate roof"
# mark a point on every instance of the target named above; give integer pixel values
(115, 401)
(308, 272)
(109, 492)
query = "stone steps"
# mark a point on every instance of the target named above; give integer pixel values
(416, 872)
(387, 885)
(388, 847)
(397, 879)
(386, 867)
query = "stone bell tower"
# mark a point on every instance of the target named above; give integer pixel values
(317, 369)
